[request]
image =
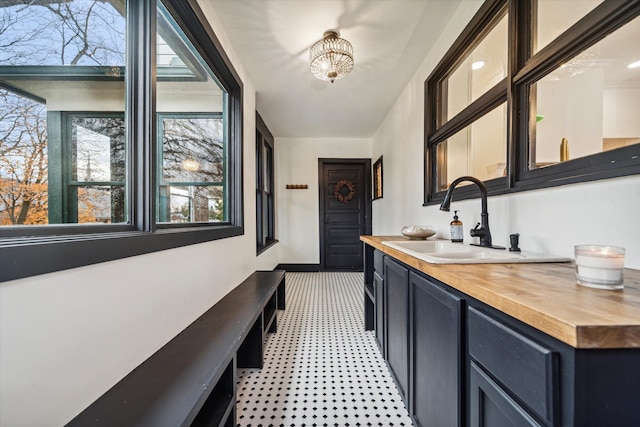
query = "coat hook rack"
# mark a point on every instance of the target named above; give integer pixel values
(297, 186)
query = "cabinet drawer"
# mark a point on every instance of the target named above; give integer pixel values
(525, 368)
(378, 263)
(490, 406)
(377, 276)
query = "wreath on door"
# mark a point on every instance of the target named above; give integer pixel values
(337, 191)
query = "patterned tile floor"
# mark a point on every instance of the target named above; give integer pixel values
(321, 367)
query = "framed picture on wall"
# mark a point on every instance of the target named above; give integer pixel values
(377, 179)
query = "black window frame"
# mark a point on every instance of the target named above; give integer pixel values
(524, 69)
(70, 186)
(160, 182)
(27, 251)
(265, 199)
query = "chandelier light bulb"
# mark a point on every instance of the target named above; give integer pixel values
(331, 58)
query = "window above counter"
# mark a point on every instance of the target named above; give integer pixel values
(536, 94)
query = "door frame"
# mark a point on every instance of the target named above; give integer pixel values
(366, 162)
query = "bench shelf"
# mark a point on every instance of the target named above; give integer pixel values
(191, 379)
(219, 406)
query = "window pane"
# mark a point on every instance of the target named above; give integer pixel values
(192, 108)
(478, 150)
(98, 149)
(64, 33)
(192, 149)
(481, 70)
(267, 168)
(23, 161)
(100, 204)
(591, 102)
(556, 16)
(98, 160)
(48, 72)
(192, 203)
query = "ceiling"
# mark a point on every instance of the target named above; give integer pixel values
(272, 38)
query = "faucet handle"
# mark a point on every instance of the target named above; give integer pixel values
(476, 231)
(514, 242)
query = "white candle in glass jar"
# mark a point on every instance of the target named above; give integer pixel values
(599, 265)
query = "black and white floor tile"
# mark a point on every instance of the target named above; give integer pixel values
(321, 367)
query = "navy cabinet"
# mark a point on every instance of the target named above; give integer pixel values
(369, 291)
(491, 406)
(396, 284)
(436, 386)
(379, 297)
(459, 362)
(378, 286)
(528, 370)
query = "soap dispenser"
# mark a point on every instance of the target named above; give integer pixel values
(456, 228)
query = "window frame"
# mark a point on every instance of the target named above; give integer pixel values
(159, 163)
(265, 199)
(27, 251)
(524, 69)
(67, 198)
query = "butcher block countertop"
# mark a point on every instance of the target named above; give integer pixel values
(544, 296)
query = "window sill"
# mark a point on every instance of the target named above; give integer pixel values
(269, 244)
(621, 162)
(32, 256)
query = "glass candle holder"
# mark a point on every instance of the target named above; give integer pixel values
(600, 266)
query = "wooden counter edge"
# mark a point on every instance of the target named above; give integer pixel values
(586, 335)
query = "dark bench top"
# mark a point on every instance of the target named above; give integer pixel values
(169, 388)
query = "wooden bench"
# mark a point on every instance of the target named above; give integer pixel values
(191, 380)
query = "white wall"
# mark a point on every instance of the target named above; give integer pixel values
(572, 109)
(269, 259)
(67, 337)
(297, 210)
(400, 139)
(553, 219)
(621, 112)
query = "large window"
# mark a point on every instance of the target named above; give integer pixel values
(93, 189)
(57, 163)
(265, 189)
(120, 132)
(536, 93)
(191, 172)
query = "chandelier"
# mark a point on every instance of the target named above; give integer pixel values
(332, 57)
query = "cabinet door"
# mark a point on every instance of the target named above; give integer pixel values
(369, 288)
(525, 368)
(396, 283)
(491, 406)
(380, 324)
(436, 356)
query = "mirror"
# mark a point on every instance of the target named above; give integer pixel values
(590, 104)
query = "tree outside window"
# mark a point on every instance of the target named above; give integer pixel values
(54, 54)
(72, 153)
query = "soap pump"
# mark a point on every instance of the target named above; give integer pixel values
(456, 229)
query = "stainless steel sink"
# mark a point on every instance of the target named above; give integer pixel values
(445, 252)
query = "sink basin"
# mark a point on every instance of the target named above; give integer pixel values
(445, 252)
(429, 246)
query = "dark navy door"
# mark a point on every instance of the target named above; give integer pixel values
(345, 206)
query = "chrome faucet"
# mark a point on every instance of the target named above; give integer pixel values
(482, 229)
